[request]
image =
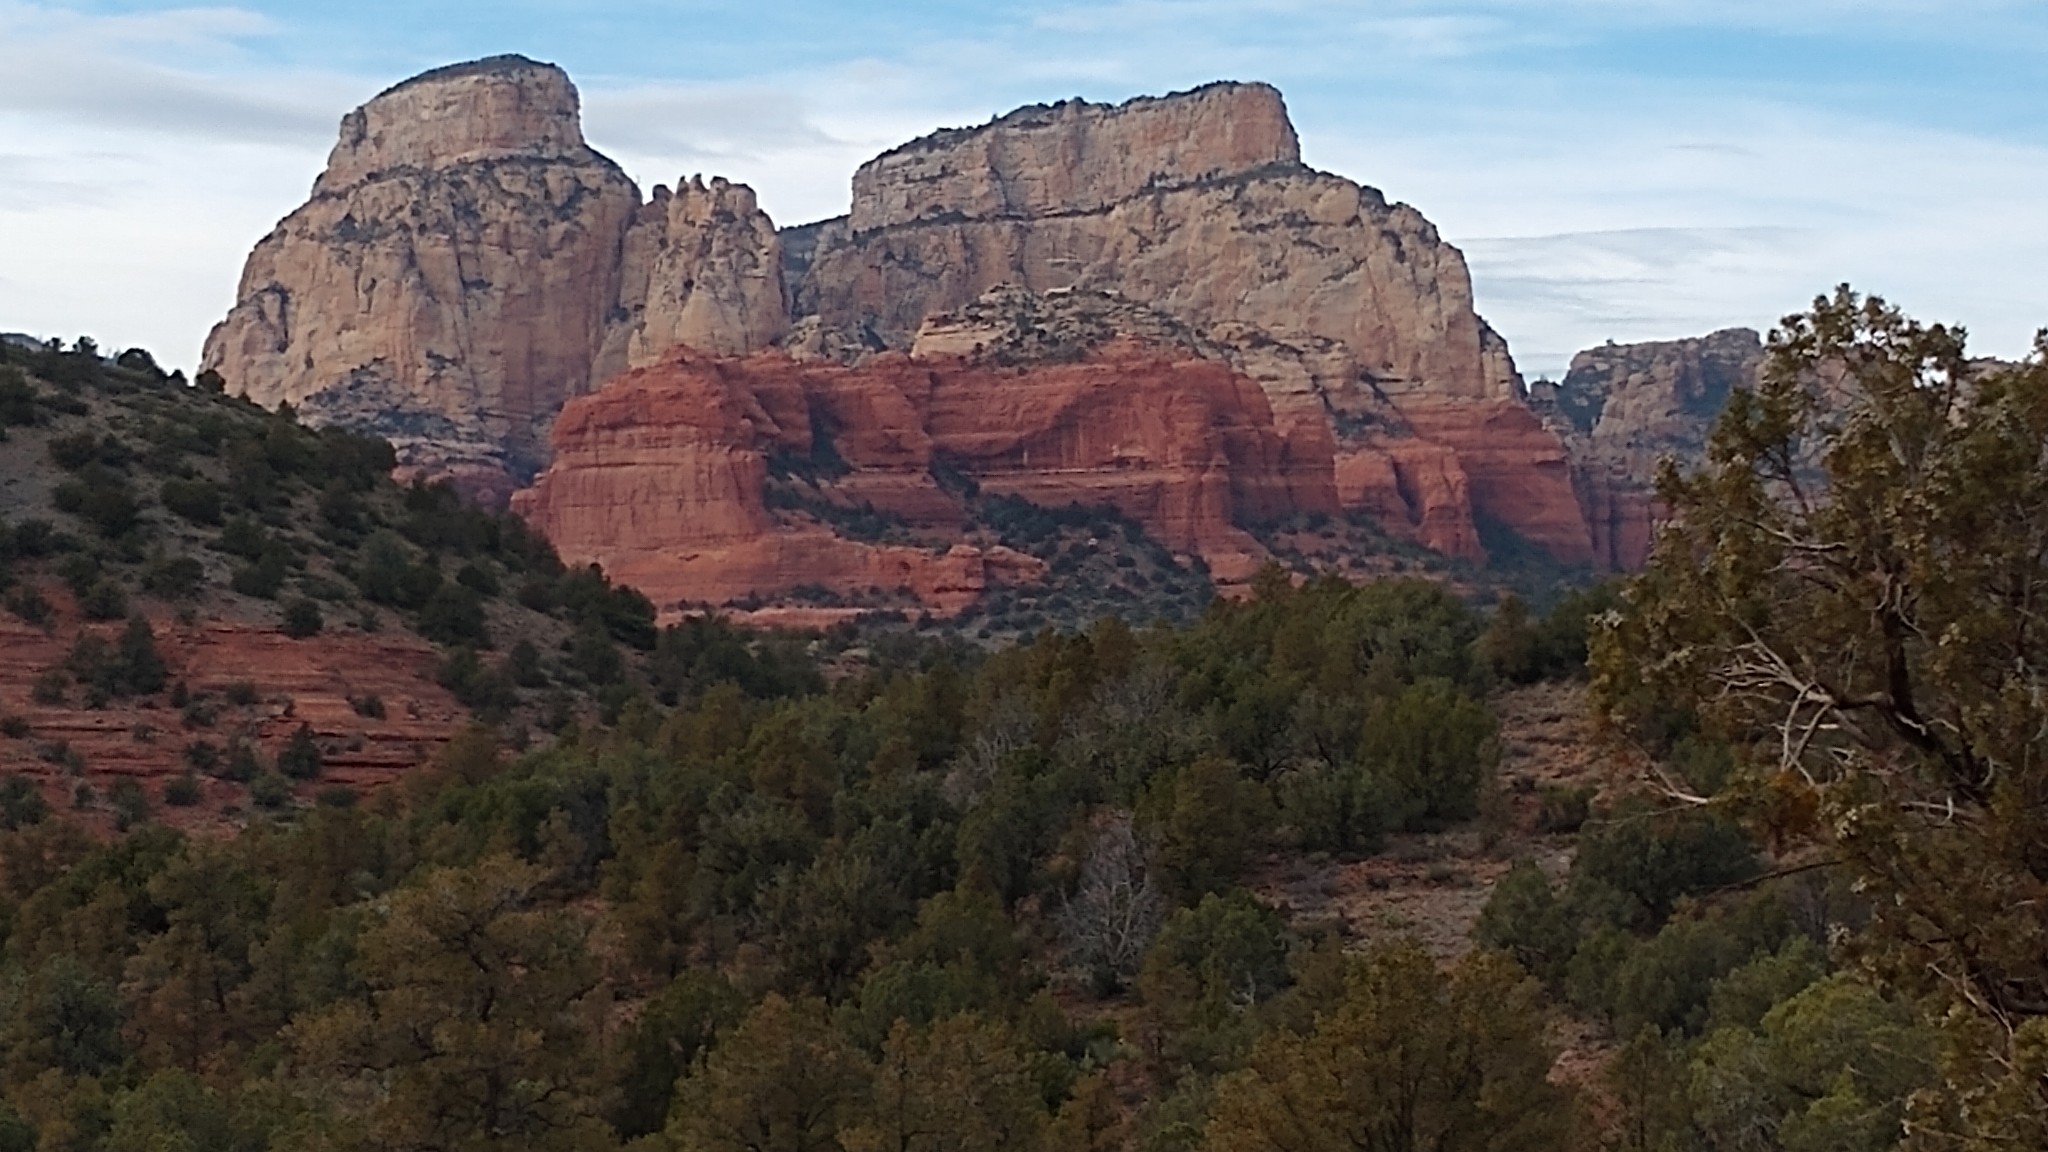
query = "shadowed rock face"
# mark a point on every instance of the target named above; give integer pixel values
(1624, 408)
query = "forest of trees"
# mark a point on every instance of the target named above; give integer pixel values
(884, 893)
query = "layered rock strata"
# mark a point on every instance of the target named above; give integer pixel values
(705, 480)
(1196, 203)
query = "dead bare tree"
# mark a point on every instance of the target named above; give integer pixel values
(1110, 920)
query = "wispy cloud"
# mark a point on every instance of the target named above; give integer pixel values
(77, 67)
(27, 182)
(704, 121)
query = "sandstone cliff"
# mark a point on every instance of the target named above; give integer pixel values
(701, 268)
(448, 281)
(467, 263)
(1196, 203)
(1623, 408)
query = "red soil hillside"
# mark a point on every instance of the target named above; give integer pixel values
(250, 682)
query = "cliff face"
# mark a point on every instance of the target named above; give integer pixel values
(1152, 307)
(1196, 203)
(467, 263)
(701, 268)
(447, 283)
(721, 480)
(1624, 408)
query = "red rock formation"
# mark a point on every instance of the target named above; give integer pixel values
(467, 264)
(1519, 474)
(664, 476)
(1414, 489)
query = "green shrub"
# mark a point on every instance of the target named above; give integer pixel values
(386, 574)
(454, 615)
(104, 601)
(243, 764)
(482, 689)
(245, 537)
(302, 619)
(198, 501)
(336, 796)
(1525, 918)
(301, 758)
(50, 688)
(173, 577)
(35, 539)
(101, 498)
(202, 756)
(1639, 862)
(17, 400)
(264, 578)
(75, 450)
(478, 579)
(270, 791)
(30, 604)
(130, 666)
(182, 791)
(21, 803)
(1433, 747)
(1564, 810)
(131, 804)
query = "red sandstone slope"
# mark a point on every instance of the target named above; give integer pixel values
(664, 476)
(252, 682)
(719, 481)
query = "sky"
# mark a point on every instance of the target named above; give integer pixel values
(1613, 169)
